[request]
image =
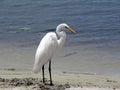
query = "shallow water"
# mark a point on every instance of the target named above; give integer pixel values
(23, 23)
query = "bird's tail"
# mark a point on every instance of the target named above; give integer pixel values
(36, 69)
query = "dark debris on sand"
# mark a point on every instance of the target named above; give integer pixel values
(36, 83)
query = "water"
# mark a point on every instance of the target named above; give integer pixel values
(97, 23)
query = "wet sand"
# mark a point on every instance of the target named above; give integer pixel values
(81, 59)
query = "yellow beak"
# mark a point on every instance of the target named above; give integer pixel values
(71, 30)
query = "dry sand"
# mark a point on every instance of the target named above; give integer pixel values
(92, 88)
(26, 80)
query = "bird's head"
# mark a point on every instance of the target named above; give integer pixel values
(64, 26)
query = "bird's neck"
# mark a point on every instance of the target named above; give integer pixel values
(61, 36)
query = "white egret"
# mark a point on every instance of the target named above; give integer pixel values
(47, 47)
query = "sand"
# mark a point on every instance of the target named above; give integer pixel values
(27, 80)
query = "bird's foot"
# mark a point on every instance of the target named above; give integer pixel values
(51, 84)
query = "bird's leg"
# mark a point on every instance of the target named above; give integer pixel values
(50, 73)
(43, 74)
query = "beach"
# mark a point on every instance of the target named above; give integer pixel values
(26, 80)
(89, 60)
(18, 75)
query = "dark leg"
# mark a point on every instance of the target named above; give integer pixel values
(43, 74)
(50, 73)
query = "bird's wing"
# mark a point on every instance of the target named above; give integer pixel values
(45, 50)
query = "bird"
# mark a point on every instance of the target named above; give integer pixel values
(49, 44)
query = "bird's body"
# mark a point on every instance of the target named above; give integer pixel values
(47, 47)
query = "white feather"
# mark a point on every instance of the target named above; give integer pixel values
(45, 50)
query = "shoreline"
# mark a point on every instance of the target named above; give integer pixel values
(86, 60)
